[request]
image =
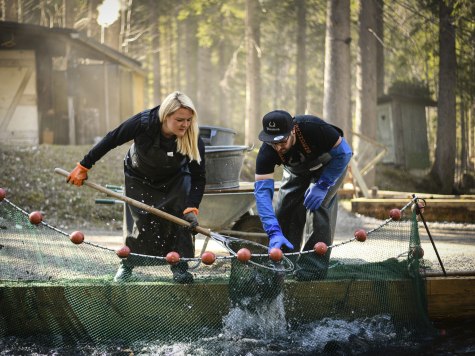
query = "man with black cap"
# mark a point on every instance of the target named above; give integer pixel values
(315, 156)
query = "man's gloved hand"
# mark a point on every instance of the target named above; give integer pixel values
(190, 215)
(78, 175)
(314, 196)
(341, 155)
(276, 239)
(264, 191)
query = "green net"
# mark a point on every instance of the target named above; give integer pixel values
(65, 293)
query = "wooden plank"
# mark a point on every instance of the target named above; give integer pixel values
(16, 99)
(78, 312)
(359, 178)
(451, 297)
(348, 299)
(391, 194)
(437, 202)
(151, 308)
(454, 210)
(16, 55)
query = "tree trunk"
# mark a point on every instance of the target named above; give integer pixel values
(93, 29)
(207, 112)
(471, 135)
(191, 58)
(366, 99)
(443, 170)
(11, 13)
(180, 49)
(224, 118)
(112, 36)
(253, 79)
(155, 53)
(301, 90)
(380, 47)
(230, 64)
(69, 9)
(337, 81)
(464, 161)
(127, 27)
(170, 54)
(43, 18)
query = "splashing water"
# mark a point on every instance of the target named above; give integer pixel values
(265, 331)
(267, 322)
(252, 333)
(364, 336)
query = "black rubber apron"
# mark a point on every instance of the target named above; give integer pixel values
(160, 179)
(304, 228)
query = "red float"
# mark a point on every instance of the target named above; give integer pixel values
(361, 235)
(276, 254)
(3, 193)
(76, 237)
(417, 252)
(395, 214)
(123, 252)
(320, 248)
(243, 255)
(173, 257)
(208, 258)
(35, 217)
(420, 208)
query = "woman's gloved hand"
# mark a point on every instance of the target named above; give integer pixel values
(276, 239)
(191, 215)
(78, 175)
(314, 196)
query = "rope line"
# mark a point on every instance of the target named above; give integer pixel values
(225, 242)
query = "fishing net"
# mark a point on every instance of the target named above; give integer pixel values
(64, 292)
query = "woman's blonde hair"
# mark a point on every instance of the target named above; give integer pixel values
(188, 144)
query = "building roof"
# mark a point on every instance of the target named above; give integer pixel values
(425, 101)
(61, 42)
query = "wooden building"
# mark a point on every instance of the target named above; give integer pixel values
(59, 87)
(402, 128)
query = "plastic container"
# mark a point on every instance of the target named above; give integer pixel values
(217, 136)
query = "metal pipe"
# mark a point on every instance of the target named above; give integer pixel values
(419, 211)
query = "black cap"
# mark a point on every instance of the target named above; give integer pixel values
(276, 126)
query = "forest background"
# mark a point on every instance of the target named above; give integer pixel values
(240, 59)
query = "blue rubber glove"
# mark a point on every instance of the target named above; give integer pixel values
(264, 192)
(314, 196)
(277, 239)
(316, 193)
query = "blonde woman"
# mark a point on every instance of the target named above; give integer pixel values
(164, 168)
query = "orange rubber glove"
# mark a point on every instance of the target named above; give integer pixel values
(78, 175)
(190, 214)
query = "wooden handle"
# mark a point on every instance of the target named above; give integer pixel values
(137, 204)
